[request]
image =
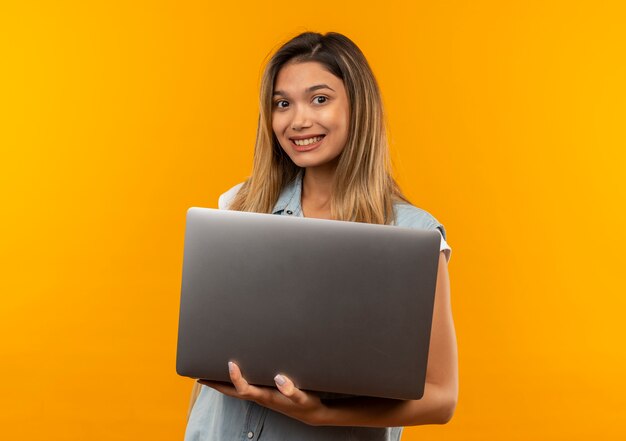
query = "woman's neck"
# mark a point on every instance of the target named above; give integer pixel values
(316, 191)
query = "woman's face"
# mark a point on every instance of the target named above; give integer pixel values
(310, 113)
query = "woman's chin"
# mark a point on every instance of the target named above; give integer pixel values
(312, 163)
(313, 158)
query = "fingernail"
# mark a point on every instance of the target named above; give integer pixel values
(280, 380)
(231, 367)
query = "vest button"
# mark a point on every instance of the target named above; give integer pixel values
(250, 435)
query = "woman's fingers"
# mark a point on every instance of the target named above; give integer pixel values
(263, 395)
(243, 388)
(283, 383)
(239, 388)
(285, 398)
(288, 389)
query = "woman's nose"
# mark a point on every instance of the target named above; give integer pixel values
(301, 119)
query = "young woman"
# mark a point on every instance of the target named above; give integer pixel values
(321, 151)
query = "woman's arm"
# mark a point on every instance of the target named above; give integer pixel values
(436, 406)
(440, 393)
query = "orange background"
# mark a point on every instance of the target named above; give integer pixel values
(507, 123)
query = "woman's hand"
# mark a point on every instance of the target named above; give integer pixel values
(286, 398)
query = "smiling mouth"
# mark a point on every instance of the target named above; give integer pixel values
(304, 145)
(307, 141)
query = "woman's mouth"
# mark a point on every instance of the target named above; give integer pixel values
(304, 145)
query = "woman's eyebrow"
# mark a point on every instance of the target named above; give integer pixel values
(307, 90)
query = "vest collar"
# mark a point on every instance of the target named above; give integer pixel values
(289, 201)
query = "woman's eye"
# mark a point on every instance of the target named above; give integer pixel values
(323, 98)
(277, 104)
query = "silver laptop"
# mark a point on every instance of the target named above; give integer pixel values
(339, 307)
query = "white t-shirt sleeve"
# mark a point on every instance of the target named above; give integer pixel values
(223, 203)
(445, 247)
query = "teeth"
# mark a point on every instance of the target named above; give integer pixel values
(307, 141)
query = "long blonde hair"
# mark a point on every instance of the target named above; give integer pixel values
(364, 189)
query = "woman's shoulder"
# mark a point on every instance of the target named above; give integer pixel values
(227, 197)
(410, 216)
(407, 215)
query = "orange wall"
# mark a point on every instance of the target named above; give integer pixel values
(507, 123)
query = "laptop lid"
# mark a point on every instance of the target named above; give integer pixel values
(340, 307)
